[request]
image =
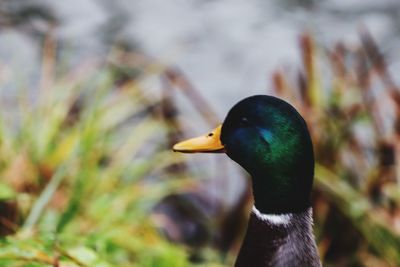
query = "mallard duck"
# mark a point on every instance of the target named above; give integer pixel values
(270, 140)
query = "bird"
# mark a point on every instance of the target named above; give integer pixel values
(270, 139)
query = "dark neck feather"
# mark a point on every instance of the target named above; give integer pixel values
(284, 243)
(281, 194)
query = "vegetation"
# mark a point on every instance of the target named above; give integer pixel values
(82, 167)
(353, 111)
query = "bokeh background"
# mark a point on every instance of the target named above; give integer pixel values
(93, 94)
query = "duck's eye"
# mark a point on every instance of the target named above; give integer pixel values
(244, 121)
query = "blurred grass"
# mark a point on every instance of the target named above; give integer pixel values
(352, 107)
(82, 166)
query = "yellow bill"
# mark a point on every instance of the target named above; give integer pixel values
(209, 143)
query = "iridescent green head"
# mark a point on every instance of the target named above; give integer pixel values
(270, 140)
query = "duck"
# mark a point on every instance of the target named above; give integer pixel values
(268, 137)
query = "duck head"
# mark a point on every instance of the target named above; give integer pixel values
(270, 140)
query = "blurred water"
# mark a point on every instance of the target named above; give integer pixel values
(228, 48)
